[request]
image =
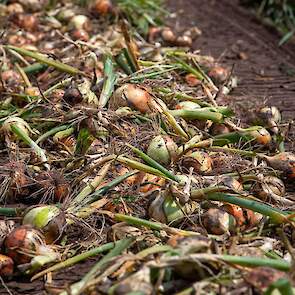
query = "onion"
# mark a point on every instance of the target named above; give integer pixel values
(192, 80)
(162, 149)
(65, 15)
(133, 96)
(15, 8)
(102, 7)
(184, 41)
(80, 22)
(156, 211)
(200, 161)
(218, 222)
(168, 35)
(271, 117)
(23, 243)
(261, 136)
(72, 96)
(269, 187)
(6, 266)
(237, 212)
(48, 219)
(218, 74)
(80, 34)
(27, 22)
(285, 162)
(6, 226)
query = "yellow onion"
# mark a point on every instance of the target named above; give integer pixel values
(23, 243)
(101, 7)
(200, 161)
(72, 95)
(48, 219)
(79, 22)
(162, 149)
(15, 8)
(271, 117)
(6, 266)
(218, 74)
(184, 41)
(27, 22)
(192, 80)
(261, 136)
(133, 96)
(80, 34)
(218, 222)
(187, 105)
(166, 209)
(65, 15)
(168, 35)
(269, 187)
(285, 162)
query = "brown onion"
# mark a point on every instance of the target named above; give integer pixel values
(6, 266)
(218, 74)
(200, 161)
(218, 222)
(285, 162)
(133, 96)
(23, 243)
(102, 7)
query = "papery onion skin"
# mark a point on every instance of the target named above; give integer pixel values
(23, 243)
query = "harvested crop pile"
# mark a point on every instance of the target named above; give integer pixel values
(115, 148)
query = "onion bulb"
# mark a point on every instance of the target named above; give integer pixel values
(48, 219)
(19, 122)
(269, 187)
(80, 22)
(162, 149)
(271, 117)
(6, 266)
(101, 7)
(218, 222)
(218, 74)
(133, 96)
(168, 35)
(261, 136)
(200, 161)
(284, 162)
(23, 243)
(192, 80)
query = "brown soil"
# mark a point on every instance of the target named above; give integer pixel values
(231, 33)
